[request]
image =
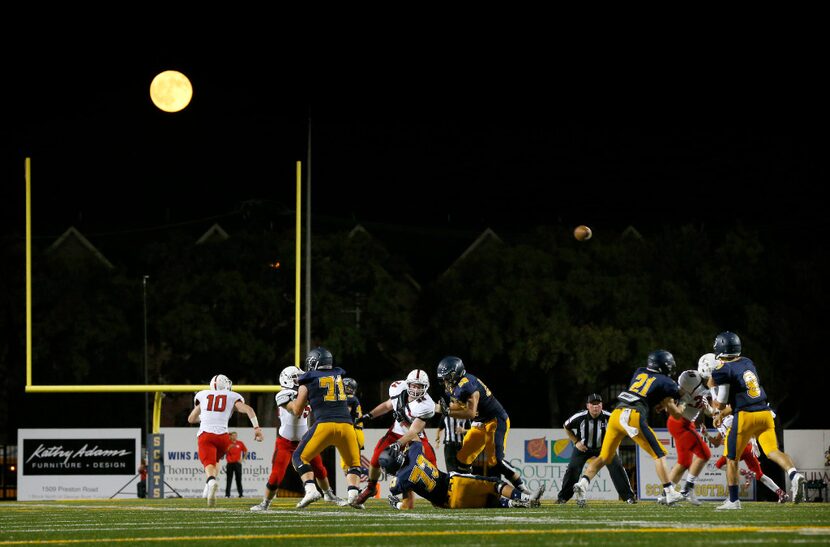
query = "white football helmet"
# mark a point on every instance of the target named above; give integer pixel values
(706, 364)
(689, 381)
(417, 383)
(221, 382)
(289, 375)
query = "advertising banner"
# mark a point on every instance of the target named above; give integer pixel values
(75, 463)
(810, 450)
(185, 476)
(710, 485)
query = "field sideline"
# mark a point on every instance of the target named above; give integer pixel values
(172, 521)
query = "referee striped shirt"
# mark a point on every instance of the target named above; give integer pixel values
(449, 424)
(589, 430)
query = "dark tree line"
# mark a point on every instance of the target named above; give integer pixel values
(541, 318)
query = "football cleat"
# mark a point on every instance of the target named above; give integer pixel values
(729, 505)
(520, 503)
(310, 497)
(534, 499)
(798, 488)
(632, 501)
(673, 496)
(690, 496)
(579, 494)
(782, 496)
(661, 500)
(261, 506)
(330, 497)
(212, 487)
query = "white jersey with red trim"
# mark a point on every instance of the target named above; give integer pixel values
(696, 402)
(423, 407)
(216, 409)
(293, 427)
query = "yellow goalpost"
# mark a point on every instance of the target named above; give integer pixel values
(158, 389)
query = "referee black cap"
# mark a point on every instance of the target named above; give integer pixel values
(594, 398)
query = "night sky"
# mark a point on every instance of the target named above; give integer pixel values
(443, 144)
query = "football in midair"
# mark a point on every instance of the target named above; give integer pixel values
(582, 233)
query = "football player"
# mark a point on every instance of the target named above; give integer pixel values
(740, 393)
(321, 386)
(212, 409)
(414, 473)
(651, 386)
(289, 433)
(356, 411)
(491, 424)
(692, 450)
(412, 407)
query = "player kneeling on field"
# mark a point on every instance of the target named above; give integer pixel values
(408, 467)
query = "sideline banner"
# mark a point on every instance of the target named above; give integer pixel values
(540, 455)
(709, 486)
(75, 463)
(810, 451)
(184, 474)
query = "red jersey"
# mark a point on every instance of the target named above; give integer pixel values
(235, 451)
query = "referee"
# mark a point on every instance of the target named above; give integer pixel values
(454, 430)
(586, 429)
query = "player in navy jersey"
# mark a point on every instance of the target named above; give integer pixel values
(356, 411)
(481, 407)
(740, 394)
(413, 472)
(321, 386)
(651, 386)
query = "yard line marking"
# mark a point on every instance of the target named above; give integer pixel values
(713, 530)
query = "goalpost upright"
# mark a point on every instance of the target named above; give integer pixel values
(158, 389)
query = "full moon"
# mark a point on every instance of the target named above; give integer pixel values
(171, 91)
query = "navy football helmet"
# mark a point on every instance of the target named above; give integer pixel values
(392, 458)
(319, 358)
(727, 345)
(661, 361)
(350, 385)
(451, 370)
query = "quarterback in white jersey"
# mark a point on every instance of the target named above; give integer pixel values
(412, 407)
(212, 409)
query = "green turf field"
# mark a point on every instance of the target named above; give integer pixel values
(170, 521)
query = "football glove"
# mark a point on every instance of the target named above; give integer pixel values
(365, 418)
(394, 501)
(285, 396)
